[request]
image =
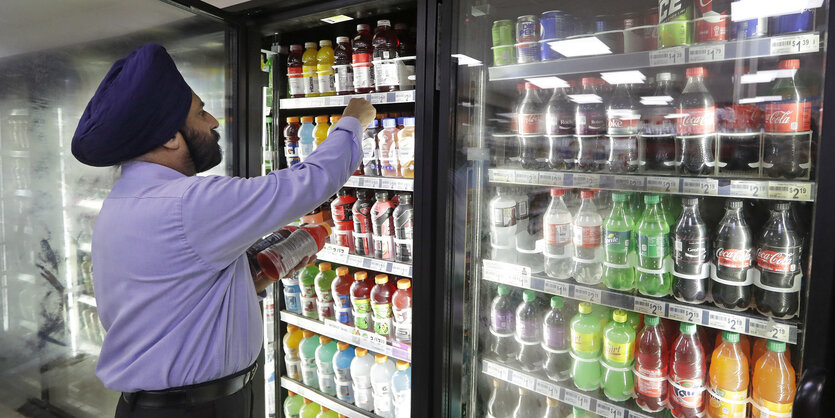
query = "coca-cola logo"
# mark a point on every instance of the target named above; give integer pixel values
(731, 257)
(615, 123)
(775, 261)
(780, 117)
(696, 120)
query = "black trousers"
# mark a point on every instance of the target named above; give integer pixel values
(236, 405)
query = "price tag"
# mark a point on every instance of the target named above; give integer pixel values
(379, 265)
(377, 98)
(547, 389)
(387, 184)
(511, 274)
(356, 260)
(336, 253)
(353, 181)
(401, 269)
(586, 180)
(796, 44)
(495, 370)
(650, 306)
(634, 183)
(523, 380)
(662, 184)
(668, 56)
(577, 399)
(587, 294)
(706, 187)
(637, 415)
(789, 190)
(551, 179)
(706, 53)
(554, 287)
(725, 321)
(685, 313)
(746, 188)
(501, 176)
(404, 96)
(527, 177)
(771, 330)
(607, 410)
(404, 185)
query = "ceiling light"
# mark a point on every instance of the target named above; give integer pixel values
(337, 19)
(753, 9)
(585, 98)
(580, 47)
(548, 82)
(624, 77)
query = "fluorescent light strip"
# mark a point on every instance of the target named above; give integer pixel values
(753, 9)
(585, 98)
(760, 99)
(580, 47)
(656, 100)
(624, 77)
(337, 19)
(548, 82)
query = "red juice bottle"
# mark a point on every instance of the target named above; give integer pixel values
(386, 71)
(688, 366)
(381, 295)
(291, 141)
(343, 72)
(341, 292)
(361, 57)
(361, 300)
(295, 78)
(402, 310)
(382, 224)
(343, 219)
(361, 212)
(651, 356)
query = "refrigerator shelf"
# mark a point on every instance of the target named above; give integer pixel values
(327, 401)
(381, 183)
(339, 255)
(801, 191)
(564, 392)
(392, 97)
(341, 332)
(704, 315)
(683, 55)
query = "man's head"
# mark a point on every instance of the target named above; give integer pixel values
(201, 138)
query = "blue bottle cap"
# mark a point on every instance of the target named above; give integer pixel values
(409, 121)
(389, 123)
(400, 120)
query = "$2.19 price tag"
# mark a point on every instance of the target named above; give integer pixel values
(726, 321)
(662, 185)
(586, 180)
(746, 188)
(649, 306)
(771, 330)
(789, 190)
(586, 294)
(685, 313)
(706, 187)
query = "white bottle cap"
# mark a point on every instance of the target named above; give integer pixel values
(383, 23)
(363, 26)
(310, 44)
(341, 39)
(324, 42)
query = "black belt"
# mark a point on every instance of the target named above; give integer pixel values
(192, 395)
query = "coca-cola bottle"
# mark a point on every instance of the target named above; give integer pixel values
(385, 42)
(732, 251)
(696, 126)
(691, 269)
(777, 290)
(787, 141)
(531, 129)
(659, 131)
(559, 127)
(361, 57)
(740, 125)
(624, 124)
(590, 119)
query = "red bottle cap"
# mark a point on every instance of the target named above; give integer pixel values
(587, 194)
(696, 72)
(589, 81)
(789, 64)
(530, 86)
(557, 192)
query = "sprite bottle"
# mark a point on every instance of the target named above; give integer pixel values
(618, 355)
(586, 345)
(618, 245)
(675, 23)
(654, 278)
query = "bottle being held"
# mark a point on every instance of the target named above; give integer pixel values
(263, 244)
(361, 301)
(654, 277)
(659, 132)
(619, 246)
(530, 125)
(404, 224)
(691, 248)
(624, 123)
(787, 141)
(343, 72)
(777, 287)
(310, 63)
(386, 71)
(503, 228)
(387, 143)
(696, 126)
(555, 342)
(559, 128)
(687, 374)
(651, 357)
(363, 226)
(370, 150)
(295, 72)
(590, 126)
(556, 226)
(304, 242)
(530, 355)
(324, 68)
(588, 245)
(382, 218)
(502, 326)
(733, 250)
(361, 57)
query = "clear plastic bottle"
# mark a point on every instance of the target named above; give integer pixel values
(590, 126)
(586, 347)
(341, 293)
(324, 68)
(786, 145)
(502, 326)
(619, 246)
(624, 122)
(381, 295)
(361, 301)
(588, 248)
(659, 132)
(501, 401)
(401, 305)
(530, 355)
(295, 72)
(406, 148)
(691, 247)
(687, 374)
(387, 143)
(320, 130)
(555, 342)
(306, 241)
(293, 404)
(324, 297)
(503, 219)
(653, 278)
(292, 361)
(556, 226)
(618, 354)
(527, 405)
(343, 72)
(381, 373)
(310, 409)
(291, 141)
(696, 126)
(361, 375)
(324, 364)
(310, 62)
(651, 356)
(773, 385)
(307, 354)
(306, 138)
(559, 128)
(342, 372)
(370, 150)
(401, 389)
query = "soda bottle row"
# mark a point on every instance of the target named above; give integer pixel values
(382, 305)
(626, 127)
(299, 406)
(555, 34)
(373, 382)
(365, 63)
(388, 144)
(382, 228)
(663, 365)
(509, 401)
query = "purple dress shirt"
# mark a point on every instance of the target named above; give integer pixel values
(172, 280)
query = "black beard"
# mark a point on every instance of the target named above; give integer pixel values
(204, 148)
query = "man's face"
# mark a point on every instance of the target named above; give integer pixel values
(201, 137)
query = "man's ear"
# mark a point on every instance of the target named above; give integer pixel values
(175, 143)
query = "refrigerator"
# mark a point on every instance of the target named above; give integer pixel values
(617, 164)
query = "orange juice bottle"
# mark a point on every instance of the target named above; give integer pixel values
(774, 386)
(744, 343)
(728, 379)
(320, 131)
(760, 348)
(309, 63)
(324, 68)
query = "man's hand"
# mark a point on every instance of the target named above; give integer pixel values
(362, 110)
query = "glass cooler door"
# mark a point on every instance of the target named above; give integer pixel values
(639, 182)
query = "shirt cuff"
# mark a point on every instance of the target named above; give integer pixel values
(353, 126)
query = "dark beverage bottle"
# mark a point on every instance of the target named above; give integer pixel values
(777, 291)
(530, 125)
(624, 122)
(291, 141)
(787, 141)
(555, 342)
(385, 42)
(406, 48)
(528, 333)
(740, 125)
(691, 271)
(660, 131)
(343, 72)
(382, 222)
(404, 223)
(559, 127)
(590, 120)
(295, 77)
(371, 150)
(361, 58)
(696, 125)
(361, 212)
(502, 326)
(732, 252)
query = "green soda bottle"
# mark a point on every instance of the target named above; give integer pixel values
(586, 345)
(310, 409)
(633, 319)
(307, 354)
(293, 404)
(672, 209)
(603, 313)
(327, 413)
(307, 283)
(654, 278)
(618, 269)
(618, 355)
(636, 207)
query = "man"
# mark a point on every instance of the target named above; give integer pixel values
(172, 280)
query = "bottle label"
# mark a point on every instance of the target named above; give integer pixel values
(309, 307)
(342, 375)
(623, 121)
(325, 367)
(293, 368)
(728, 404)
(362, 395)
(650, 382)
(362, 306)
(344, 388)
(586, 236)
(688, 392)
(698, 121)
(526, 329)
(733, 258)
(692, 251)
(554, 337)
(363, 320)
(557, 234)
(561, 124)
(583, 343)
(618, 353)
(617, 240)
(503, 322)
(590, 123)
(342, 302)
(504, 217)
(766, 408)
(712, 26)
(522, 210)
(382, 318)
(652, 246)
(343, 78)
(325, 79)
(295, 81)
(788, 117)
(363, 75)
(369, 150)
(311, 82)
(529, 123)
(382, 403)
(386, 73)
(343, 316)
(342, 213)
(406, 150)
(292, 299)
(778, 261)
(402, 324)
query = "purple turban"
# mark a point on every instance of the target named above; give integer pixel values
(141, 103)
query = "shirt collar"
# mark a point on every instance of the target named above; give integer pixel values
(149, 171)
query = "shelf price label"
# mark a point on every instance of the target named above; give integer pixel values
(379, 265)
(354, 181)
(387, 184)
(523, 380)
(586, 294)
(726, 321)
(527, 177)
(577, 399)
(771, 330)
(607, 410)
(501, 176)
(650, 307)
(551, 179)
(789, 190)
(586, 180)
(706, 53)
(554, 287)
(377, 98)
(707, 187)
(355, 261)
(667, 56)
(336, 253)
(511, 274)
(401, 269)
(546, 388)
(495, 370)
(404, 96)
(685, 313)
(634, 183)
(662, 184)
(796, 44)
(405, 185)
(746, 188)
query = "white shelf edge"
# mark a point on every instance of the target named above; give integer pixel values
(381, 183)
(324, 400)
(339, 255)
(392, 97)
